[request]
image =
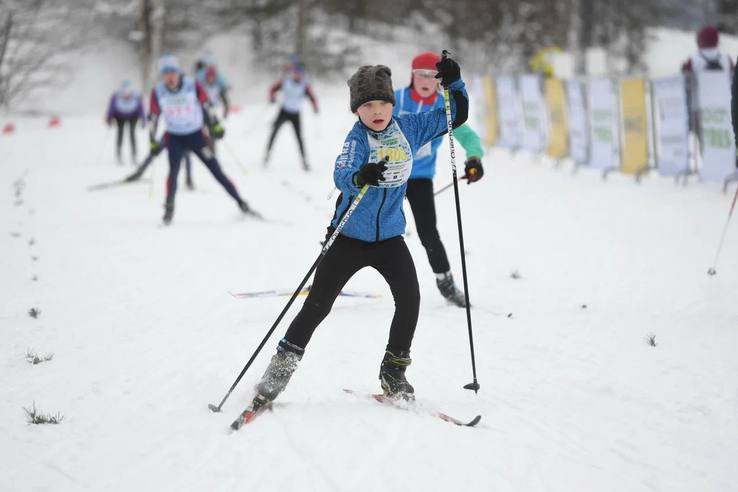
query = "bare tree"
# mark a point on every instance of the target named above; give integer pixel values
(34, 41)
(727, 15)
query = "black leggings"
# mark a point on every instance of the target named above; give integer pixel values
(420, 195)
(178, 145)
(293, 118)
(121, 123)
(391, 259)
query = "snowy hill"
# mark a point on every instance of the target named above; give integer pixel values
(144, 334)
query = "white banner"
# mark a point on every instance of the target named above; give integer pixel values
(603, 118)
(509, 112)
(535, 118)
(477, 115)
(716, 128)
(672, 125)
(578, 132)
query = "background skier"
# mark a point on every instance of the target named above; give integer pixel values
(126, 109)
(423, 95)
(185, 107)
(294, 88)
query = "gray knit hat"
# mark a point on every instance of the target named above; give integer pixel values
(369, 83)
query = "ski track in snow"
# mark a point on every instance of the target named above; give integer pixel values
(145, 335)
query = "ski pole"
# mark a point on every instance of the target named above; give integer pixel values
(438, 192)
(235, 157)
(474, 385)
(711, 270)
(322, 254)
(443, 189)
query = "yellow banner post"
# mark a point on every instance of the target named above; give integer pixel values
(491, 122)
(635, 126)
(558, 139)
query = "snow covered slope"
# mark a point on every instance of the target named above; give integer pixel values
(145, 335)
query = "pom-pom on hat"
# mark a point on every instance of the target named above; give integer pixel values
(370, 83)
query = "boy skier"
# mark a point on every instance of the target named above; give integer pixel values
(422, 95)
(184, 105)
(378, 152)
(126, 108)
(294, 88)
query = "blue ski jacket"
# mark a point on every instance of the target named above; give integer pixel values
(380, 216)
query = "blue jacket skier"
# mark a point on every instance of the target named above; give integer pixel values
(378, 152)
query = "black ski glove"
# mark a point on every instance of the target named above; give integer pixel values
(448, 71)
(473, 170)
(370, 173)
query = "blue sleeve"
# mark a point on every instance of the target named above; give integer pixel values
(398, 98)
(354, 154)
(424, 127)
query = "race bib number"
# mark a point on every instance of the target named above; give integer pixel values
(392, 145)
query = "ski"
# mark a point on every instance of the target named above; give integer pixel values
(391, 403)
(266, 293)
(113, 184)
(303, 292)
(257, 407)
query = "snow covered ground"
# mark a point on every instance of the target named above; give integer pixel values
(145, 335)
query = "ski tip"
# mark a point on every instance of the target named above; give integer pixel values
(474, 421)
(235, 425)
(213, 408)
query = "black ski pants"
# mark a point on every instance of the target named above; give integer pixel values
(391, 259)
(422, 203)
(121, 124)
(293, 118)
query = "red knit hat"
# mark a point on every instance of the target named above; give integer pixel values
(707, 37)
(426, 61)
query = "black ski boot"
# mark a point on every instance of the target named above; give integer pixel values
(448, 289)
(279, 372)
(168, 213)
(392, 376)
(244, 207)
(188, 182)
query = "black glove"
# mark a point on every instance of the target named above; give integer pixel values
(473, 170)
(448, 71)
(370, 173)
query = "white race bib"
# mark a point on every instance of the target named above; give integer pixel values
(392, 145)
